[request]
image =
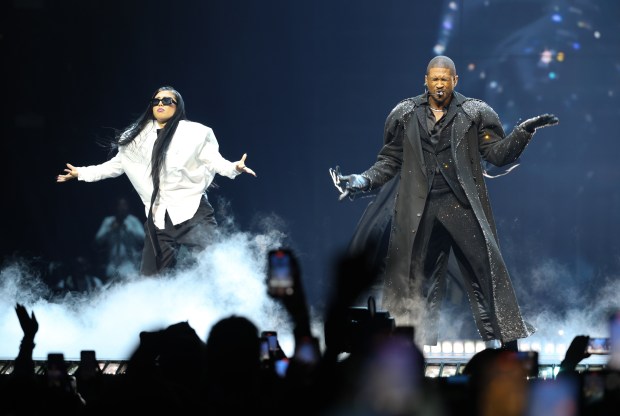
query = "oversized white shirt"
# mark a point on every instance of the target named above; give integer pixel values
(192, 160)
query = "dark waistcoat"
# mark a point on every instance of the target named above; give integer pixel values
(438, 160)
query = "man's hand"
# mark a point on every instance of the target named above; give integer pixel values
(532, 124)
(348, 184)
(29, 323)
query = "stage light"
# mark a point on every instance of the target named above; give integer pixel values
(549, 348)
(6, 367)
(547, 372)
(449, 370)
(432, 370)
(40, 366)
(115, 367)
(560, 349)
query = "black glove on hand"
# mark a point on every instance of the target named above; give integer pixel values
(349, 184)
(530, 125)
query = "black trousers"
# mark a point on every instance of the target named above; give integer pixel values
(179, 243)
(446, 225)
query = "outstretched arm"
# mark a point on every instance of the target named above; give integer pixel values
(500, 149)
(388, 163)
(109, 169)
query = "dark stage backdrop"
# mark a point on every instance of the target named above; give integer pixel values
(302, 86)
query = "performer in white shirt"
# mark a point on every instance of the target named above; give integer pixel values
(170, 162)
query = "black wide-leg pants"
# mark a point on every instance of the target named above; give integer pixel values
(194, 235)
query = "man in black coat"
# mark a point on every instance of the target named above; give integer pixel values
(436, 143)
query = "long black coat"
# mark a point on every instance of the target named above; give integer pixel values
(477, 136)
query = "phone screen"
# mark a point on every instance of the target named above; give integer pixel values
(529, 360)
(592, 386)
(598, 346)
(553, 396)
(308, 351)
(280, 272)
(89, 366)
(272, 339)
(264, 349)
(57, 374)
(614, 341)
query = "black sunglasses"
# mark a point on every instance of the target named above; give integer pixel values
(164, 101)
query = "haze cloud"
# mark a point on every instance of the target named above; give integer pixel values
(227, 279)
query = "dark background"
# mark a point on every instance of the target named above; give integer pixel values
(302, 86)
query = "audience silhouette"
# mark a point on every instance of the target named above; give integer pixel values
(367, 366)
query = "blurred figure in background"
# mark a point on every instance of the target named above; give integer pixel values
(80, 278)
(119, 243)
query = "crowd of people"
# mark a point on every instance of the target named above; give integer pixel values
(372, 368)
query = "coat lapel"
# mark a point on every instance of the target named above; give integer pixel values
(412, 130)
(461, 124)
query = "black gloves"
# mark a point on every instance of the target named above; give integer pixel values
(350, 184)
(530, 125)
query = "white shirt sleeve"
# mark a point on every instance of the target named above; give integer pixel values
(216, 163)
(110, 169)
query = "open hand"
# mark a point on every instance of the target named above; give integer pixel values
(29, 323)
(532, 124)
(70, 173)
(241, 167)
(348, 184)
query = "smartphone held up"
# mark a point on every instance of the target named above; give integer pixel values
(598, 346)
(281, 268)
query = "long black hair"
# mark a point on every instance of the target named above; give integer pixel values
(129, 134)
